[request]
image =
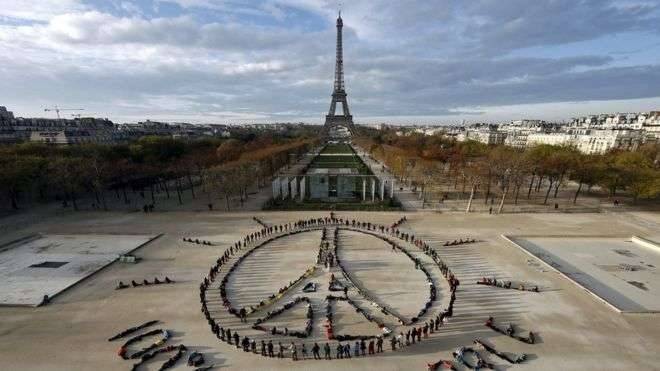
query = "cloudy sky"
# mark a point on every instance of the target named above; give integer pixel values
(425, 61)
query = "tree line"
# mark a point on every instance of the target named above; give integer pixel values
(215, 168)
(471, 167)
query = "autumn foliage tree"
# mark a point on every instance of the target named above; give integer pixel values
(474, 168)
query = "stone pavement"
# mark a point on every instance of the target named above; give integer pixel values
(575, 330)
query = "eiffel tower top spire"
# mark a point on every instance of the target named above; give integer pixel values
(339, 63)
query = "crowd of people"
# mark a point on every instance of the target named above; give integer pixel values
(132, 330)
(510, 331)
(362, 292)
(258, 239)
(327, 253)
(180, 350)
(275, 331)
(506, 285)
(152, 350)
(121, 285)
(260, 222)
(123, 349)
(198, 241)
(330, 299)
(441, 364)
(460, 241)
(460, 355)
(274, 297)
(490, 349)
(418, 265)
(398, 222)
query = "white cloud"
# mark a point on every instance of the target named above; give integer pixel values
(38, 10)
(403, 59)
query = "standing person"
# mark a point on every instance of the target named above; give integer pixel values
(357, 349)
(326, 350)
(245, 344)
(393, 343)
(315, 351)
(280, 350)
(426, 330)
(379, 344)
(294, 352)
(371, 348)
(347, 350)
(363, 347)
(304, 351)
(263, 348)
(340, 351)
(271, 354)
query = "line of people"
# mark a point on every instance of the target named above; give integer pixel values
(383, 308)
(275, 331)
(121, 285)
(260, 222)
(460, 241)
(460, 357)
(510, 331)
(490, 349)
(396, 224)
(506, 285)
(198, 241)
(298, 227)
(329, 317)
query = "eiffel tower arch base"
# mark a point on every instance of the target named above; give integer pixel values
(332, 123)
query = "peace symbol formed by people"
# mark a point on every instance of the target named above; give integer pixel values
(319, 288)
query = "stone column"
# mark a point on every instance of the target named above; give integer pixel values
(364, 189)
(294, 188)
(285, 187)
(277, 191)
(373, 189)
(382, 189)
(302, 189)
(392, 188)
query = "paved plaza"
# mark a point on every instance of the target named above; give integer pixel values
(574, 329)
(47, 264)
(621, 271)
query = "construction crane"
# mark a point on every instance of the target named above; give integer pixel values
(58, 110)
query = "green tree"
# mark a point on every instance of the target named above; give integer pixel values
(18, 175)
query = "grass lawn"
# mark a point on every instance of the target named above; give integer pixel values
(338, 148)
(338, 162)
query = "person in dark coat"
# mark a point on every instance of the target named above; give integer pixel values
(326, 350)
(270, 349)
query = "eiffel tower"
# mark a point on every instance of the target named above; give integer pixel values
(332, 120)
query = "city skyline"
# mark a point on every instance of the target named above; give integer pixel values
(208, 61)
